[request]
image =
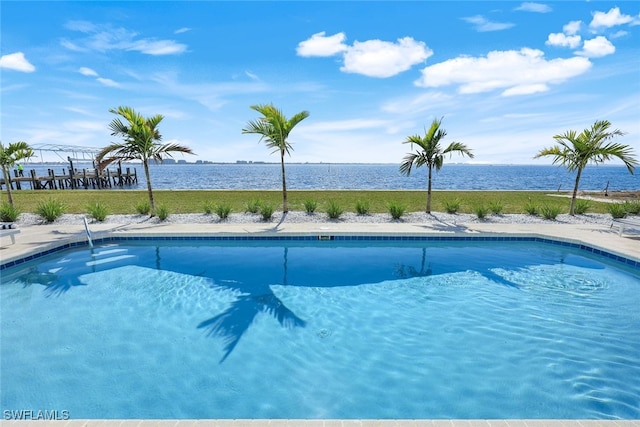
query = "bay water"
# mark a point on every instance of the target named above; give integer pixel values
(324, 176)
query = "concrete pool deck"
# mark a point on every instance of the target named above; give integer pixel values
(38, 238)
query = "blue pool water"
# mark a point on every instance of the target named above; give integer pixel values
(325, 329)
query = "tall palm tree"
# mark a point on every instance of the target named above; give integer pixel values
(141, 142)
(9, 156)
(274, 128)
(430, 153)
(576, 150)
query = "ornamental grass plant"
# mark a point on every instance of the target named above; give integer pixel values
(8, 213)
(50, 209)
(98, 211)
(188, 201)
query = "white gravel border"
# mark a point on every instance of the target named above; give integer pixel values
(297, 217)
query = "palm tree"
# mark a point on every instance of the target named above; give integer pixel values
(430, 153)
(274, 128)
(9, 156)
(141, 142)
(576, 150)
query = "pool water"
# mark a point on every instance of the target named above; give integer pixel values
(286, 329)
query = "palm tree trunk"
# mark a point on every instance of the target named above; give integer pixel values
(285, 206)
(575, 193)
(7, 182)
(428, 210)
(149, 191)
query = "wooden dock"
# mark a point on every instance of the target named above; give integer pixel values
(73, 179)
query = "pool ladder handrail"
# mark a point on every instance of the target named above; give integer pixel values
(86, 229)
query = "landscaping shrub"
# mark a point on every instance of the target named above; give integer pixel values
(143, 208)
(253, 206)
(550, 211)
(496, 207)
(481, 211)
(632, 207)
(617, 210)
(452, 206)
(223, 210)
(531, 208)
(310, 206)
(208, 207)
(581, 207)
(334, 210)
(396, 210)
(97, 211)
(50, 209)
(8, 213)
(362, 207)
(163, 212)
(266, 210)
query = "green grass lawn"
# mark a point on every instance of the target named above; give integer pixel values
(185, 201)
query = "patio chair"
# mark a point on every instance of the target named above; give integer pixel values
(10, 231)
(623, 224)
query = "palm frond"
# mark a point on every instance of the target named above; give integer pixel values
(415, 139)
(438, 161)
(15, 152)
(459, 148)
(575, 150)
(407, 163)
(430, 152)
(273, 127)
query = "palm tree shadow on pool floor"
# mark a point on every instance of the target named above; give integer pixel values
(235, 321)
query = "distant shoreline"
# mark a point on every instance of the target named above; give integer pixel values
(261, 163)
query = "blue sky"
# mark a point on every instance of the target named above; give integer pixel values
(506, 76)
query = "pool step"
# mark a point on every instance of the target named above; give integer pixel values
(110, 259)
(108, 252)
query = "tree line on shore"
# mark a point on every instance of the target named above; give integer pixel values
(141, 140)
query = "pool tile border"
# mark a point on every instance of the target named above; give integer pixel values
(329, 237)
(334, 423)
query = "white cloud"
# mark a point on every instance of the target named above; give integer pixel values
(418, 104)
(321, 45)
(609, 19)
(572, 27)
(157, 47)
(251, 75)
(560, 39)
(81, 26)
(72, 46)
(534, 7)
(83, 125)
(182, 30)
(87, 72)
(526, 89)
(16, 61)
(344, 125)
(80, 111)
(103, 38)
(483, 25)
(212, 95)
(597, 47)
(372, 58)
(108, 82)
(517, 72)
(377, 58)
(618, 34)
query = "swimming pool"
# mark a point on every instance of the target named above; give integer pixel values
(294, 328)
